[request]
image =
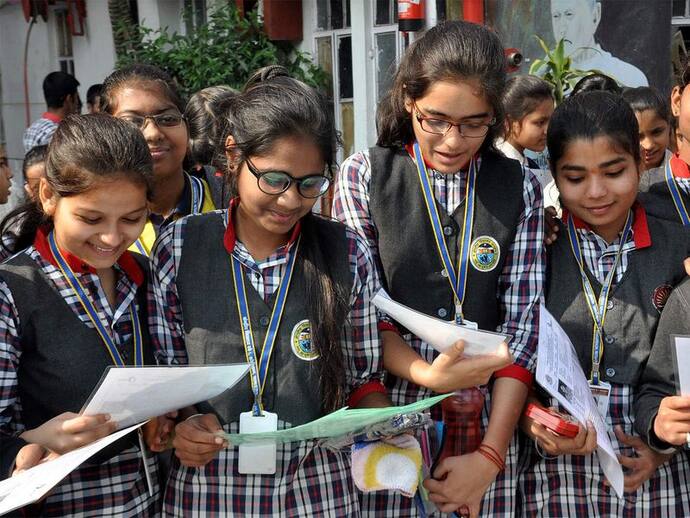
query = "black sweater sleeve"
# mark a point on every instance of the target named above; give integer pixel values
(658, 378)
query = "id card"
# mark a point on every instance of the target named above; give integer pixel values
(469, 324)
(601, 393)
(258, 459)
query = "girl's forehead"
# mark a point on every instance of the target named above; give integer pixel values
(143, 96)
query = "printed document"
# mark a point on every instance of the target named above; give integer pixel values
(440, 334)
(33, 484)
(134, 394)
(560, 373)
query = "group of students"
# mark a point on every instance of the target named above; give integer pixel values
(106, 269)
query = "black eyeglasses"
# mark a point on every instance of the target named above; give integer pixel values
(441, 126)
(277, 182)
(163, 120)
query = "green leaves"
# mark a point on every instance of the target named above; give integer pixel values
(555, 67)
(224, 51)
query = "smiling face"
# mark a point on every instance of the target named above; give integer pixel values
(598, 183)
(273, 216)
(97, 225)
(457, 102)
(655, 138)
(530, 132)
(168, 145)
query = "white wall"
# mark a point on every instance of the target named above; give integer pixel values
(94, 59)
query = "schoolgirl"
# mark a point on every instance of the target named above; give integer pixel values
(74, 302)
(654, 119)
(203, 114)
(616, 264)
(435, 194)
(528, 104)
(269, 282)
(665, 190)
(147, 97)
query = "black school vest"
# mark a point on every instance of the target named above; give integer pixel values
(212, 329)
(634, 304)
(62, 360)
(412, 269)
(656, 198)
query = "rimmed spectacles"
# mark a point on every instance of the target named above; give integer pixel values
(441, 126)
(277, 182)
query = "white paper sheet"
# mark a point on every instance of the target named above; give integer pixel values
(31, 485)
(134, 394)
(440, 334)
(560, 373)
(682, 351)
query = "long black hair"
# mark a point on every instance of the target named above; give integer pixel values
(83, 150)
(590, 115)
(453, 50)
(523, 95)
(272, 106)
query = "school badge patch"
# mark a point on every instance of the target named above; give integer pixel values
(485, 253)
(661, 295)
(300, 339)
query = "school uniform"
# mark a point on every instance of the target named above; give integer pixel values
(378, 193)
(548, 184)
(196, 320)
(52, 358)
(657, 195)
(196, 199)
(650, 264)
(659, 377)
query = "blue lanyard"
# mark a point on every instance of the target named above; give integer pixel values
(676, 196)
(92, 313)
(196, 204)
(456, 278)
(197, 188)
(597, 306)
(142, 249)
(258, 370)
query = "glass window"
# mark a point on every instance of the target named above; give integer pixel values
(386, 43)
(386, 12)
(194, 14)
(64, 35)
(332, 14)
(680, 7)
(324, 57)
(345, 67)
(347, 120)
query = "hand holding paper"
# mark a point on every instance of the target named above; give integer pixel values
(560, 373)
(440, 334)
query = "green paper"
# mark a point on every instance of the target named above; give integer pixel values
(338, 423)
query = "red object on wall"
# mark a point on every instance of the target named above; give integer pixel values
(410, 15)
(34, 8)
(76, 12)
(283, 19)
(473, 11)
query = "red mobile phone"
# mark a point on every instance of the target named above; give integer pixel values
(563, 425)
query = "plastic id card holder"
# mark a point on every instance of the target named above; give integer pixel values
(469, 324)
(258, 459)
(601, 393)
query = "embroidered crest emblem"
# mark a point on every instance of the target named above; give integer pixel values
(300, 339)
(484, 253)
(661, 295)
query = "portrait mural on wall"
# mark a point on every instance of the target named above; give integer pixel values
(626, 39)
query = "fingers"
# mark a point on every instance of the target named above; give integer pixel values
(686, 264)
(74, 423)
(442, 469)
(196, 441)
(628, 440)
(677, 402)
(78, 440)
(28, 457)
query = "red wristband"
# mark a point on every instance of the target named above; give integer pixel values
(515, 372)
(364, 390)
